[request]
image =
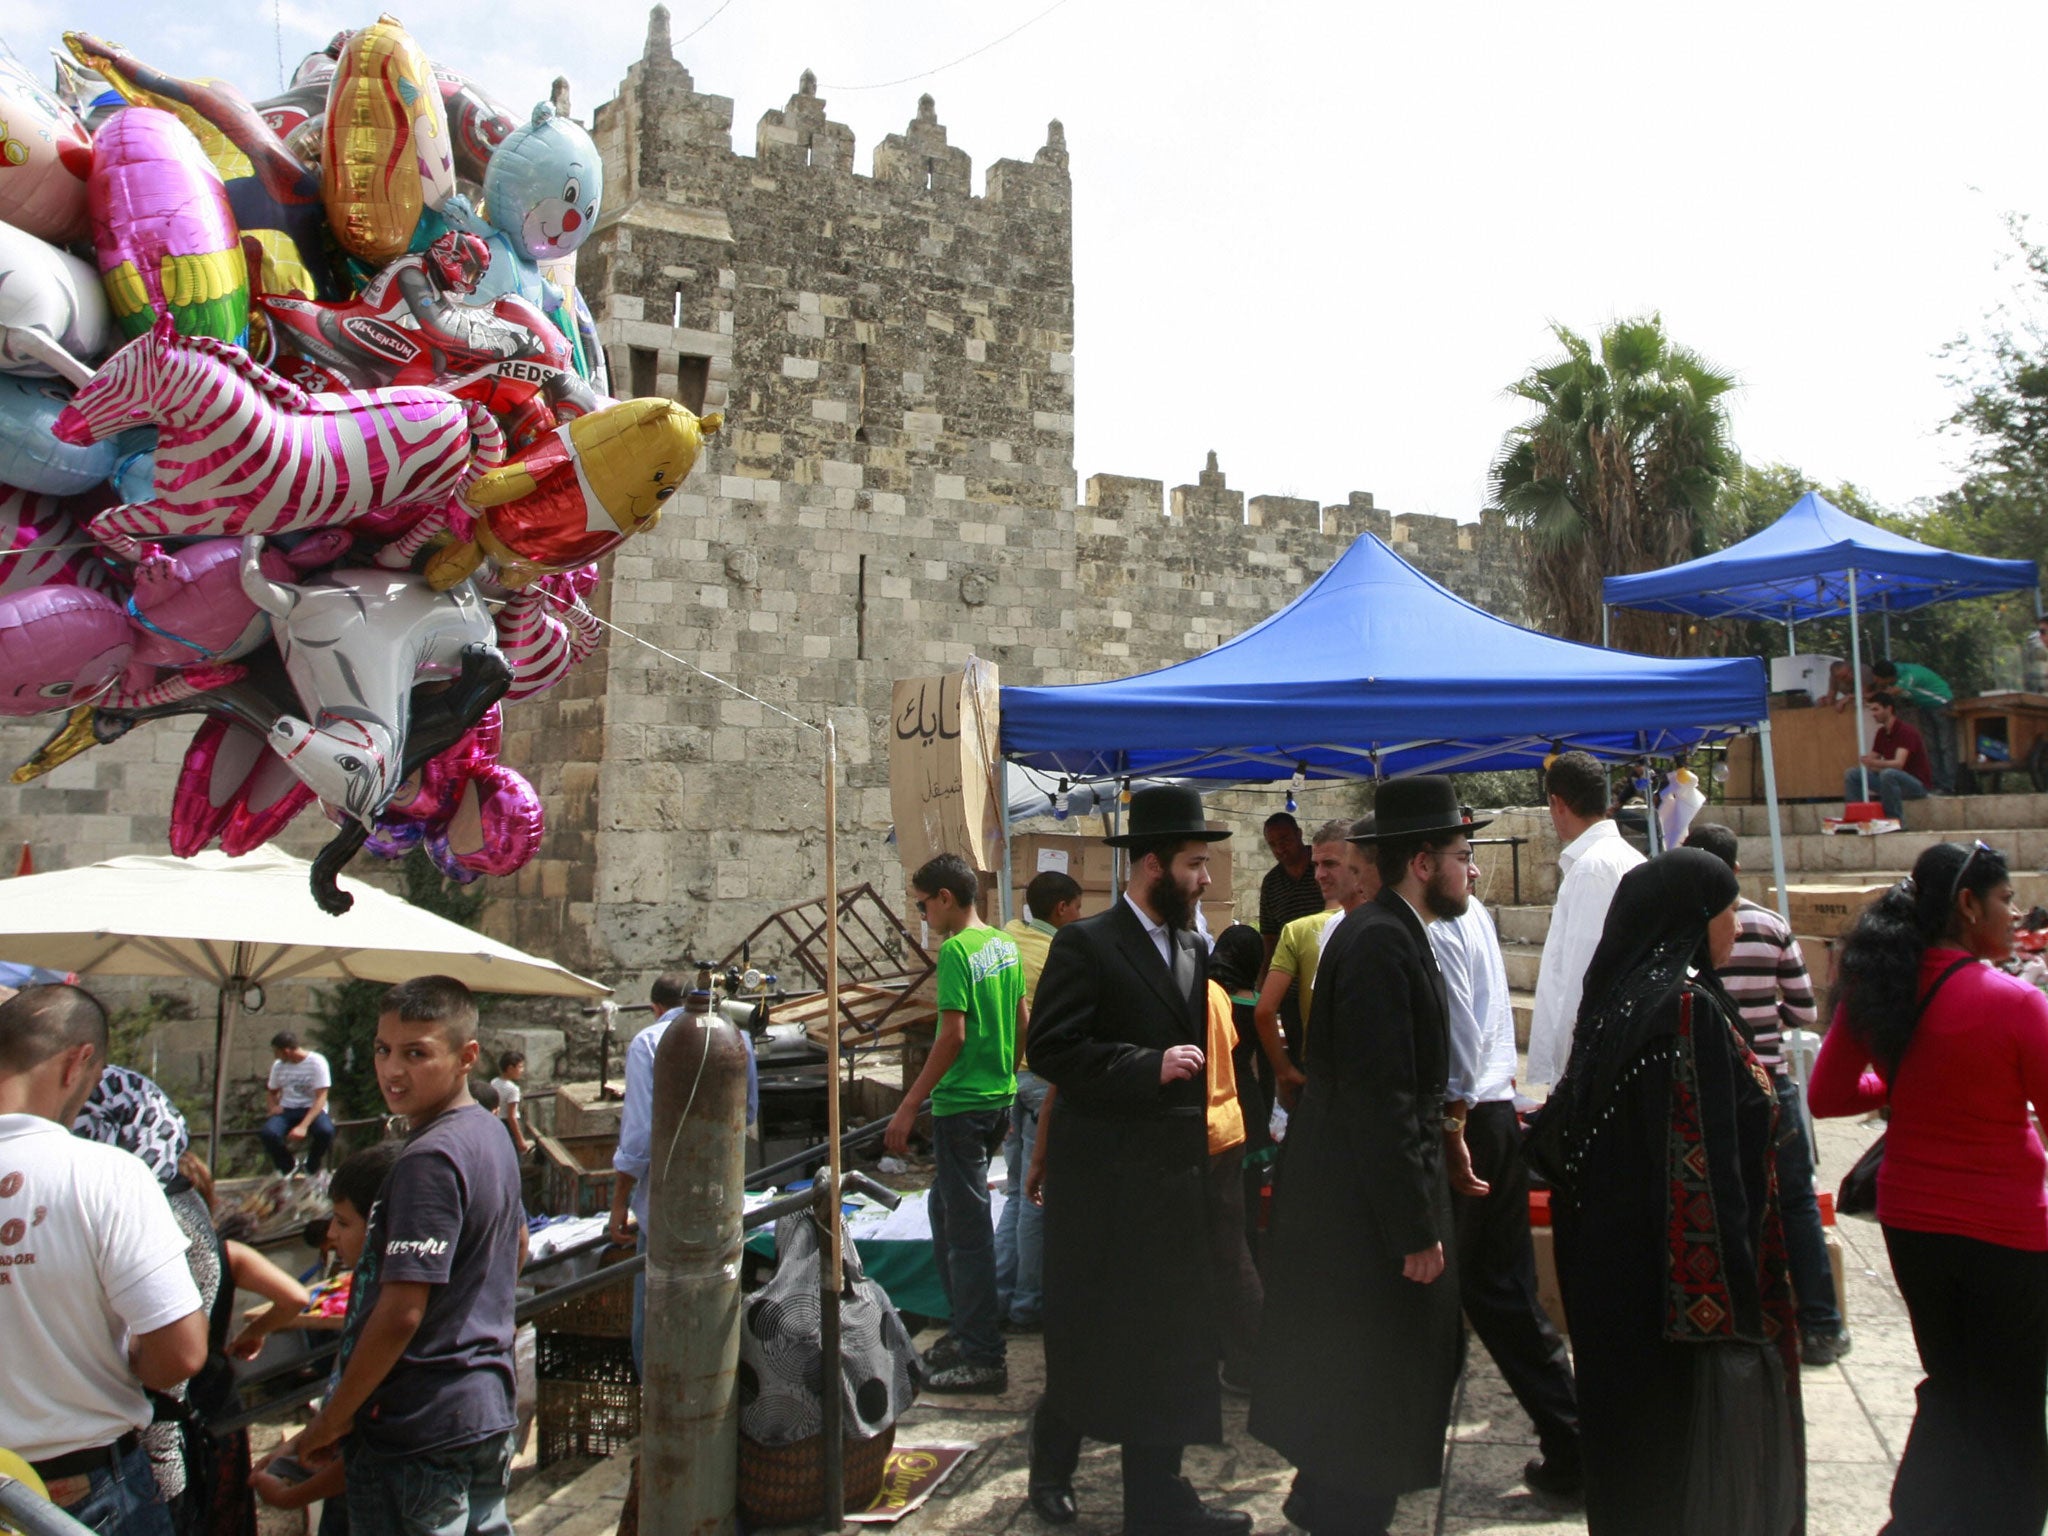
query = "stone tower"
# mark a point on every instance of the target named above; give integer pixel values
(893, 489)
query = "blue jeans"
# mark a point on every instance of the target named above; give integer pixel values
(1020, 1235)
(458, 1492)
(319, 1137)
(123, 1502)
(1806, 1246)
(1892, 786)
(963, 1237)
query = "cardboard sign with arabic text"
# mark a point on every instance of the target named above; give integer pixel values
(945, 766)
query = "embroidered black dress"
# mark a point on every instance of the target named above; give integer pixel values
(1670, 1252)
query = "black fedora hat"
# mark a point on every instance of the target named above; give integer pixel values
(1166, 810)
(1420, 806)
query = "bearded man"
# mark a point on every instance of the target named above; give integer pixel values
(1132, 1330)
(1363, 1340)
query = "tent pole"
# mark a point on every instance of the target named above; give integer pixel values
(1003, 899)
(226, 1008)
(832, 1270)
(1856, 677)
(1791, 635)
(1887, 613)
(1793, 1058)
(1605, 611)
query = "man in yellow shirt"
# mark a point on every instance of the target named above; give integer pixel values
(1051, 901)
(1346, 879)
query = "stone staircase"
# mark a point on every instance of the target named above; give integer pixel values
(2016, 825)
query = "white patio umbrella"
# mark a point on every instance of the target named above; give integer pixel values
(237, 923)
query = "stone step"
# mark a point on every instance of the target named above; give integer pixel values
(2029, 887)
(1522, 925)
(1938, 813)
(1524, 1005)
(1523, 962)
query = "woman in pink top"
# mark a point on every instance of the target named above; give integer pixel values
(1959, 1050)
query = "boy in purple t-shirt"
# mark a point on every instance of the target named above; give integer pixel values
(425, 1397)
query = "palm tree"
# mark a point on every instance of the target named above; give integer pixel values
(1615, 473)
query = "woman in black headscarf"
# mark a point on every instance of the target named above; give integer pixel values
(1670, 1254)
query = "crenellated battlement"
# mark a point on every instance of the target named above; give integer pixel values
(659, 119)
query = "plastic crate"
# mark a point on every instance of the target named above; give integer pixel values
(606, 1312)
(585, 1357)
(586, 1418)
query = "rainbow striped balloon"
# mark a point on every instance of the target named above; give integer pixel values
(165, 239)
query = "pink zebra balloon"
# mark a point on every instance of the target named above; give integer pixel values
(242, 451)
(543, 636)
(39, 545)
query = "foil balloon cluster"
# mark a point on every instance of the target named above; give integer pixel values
(305, 434)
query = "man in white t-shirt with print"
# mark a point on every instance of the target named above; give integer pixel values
(96, 1298)
(299, 1085)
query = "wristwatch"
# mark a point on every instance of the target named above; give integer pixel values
(1454, 1124)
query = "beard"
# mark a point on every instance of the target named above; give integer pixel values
(1447, 895)
(1174, 904)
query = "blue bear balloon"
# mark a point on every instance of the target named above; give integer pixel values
(541, 193)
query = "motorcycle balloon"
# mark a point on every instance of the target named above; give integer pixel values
(162, 230)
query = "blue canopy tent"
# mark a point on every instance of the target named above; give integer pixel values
(1375, 670)
(1818, 562)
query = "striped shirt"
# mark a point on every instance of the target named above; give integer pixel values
(1766, 976)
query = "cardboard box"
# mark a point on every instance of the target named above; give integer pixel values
(1827, 911)
(1089, 860)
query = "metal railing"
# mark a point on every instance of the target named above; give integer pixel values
(29, 1512)
(1514, 847)
(317, 1360)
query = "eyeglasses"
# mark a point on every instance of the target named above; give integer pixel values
(1963, 869)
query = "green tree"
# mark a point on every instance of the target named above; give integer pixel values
(346, 1015)
(1616, 472)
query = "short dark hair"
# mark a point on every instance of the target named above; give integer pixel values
(1884, 666)
(1716, 839)
(484, 1093)
(667, 991)
(438, 1000)
(946, 872)
(1281, 819)
(39, 1022)
(1576, 779)
(360, 1178)
(1048, 892)
(507, 1060)
(284, 1040)
(1889, 700)
(1393, 854)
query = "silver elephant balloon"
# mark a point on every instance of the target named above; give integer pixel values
(355, 643)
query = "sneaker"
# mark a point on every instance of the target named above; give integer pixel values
(1824, 1346)
(942, 1354)
(963, 1377)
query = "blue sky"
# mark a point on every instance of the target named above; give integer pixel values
(1321, 238)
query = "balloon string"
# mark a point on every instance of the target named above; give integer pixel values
(681, 661)
(939, 69)
(723, 682)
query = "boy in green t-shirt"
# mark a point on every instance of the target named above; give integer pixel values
(971, 1078)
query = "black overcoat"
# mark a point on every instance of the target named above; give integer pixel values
(1130, 1327)
(1357, 1364)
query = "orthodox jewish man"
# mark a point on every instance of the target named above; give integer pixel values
(1131, 1337)
(1363, 1341)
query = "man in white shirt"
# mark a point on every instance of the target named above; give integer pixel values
(1594, 858)
(1496, 1262)
(299, 1085)
(96, 1299)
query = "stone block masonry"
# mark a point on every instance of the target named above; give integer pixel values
(894, 489)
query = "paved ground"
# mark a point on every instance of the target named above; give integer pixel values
(1857, 1415)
